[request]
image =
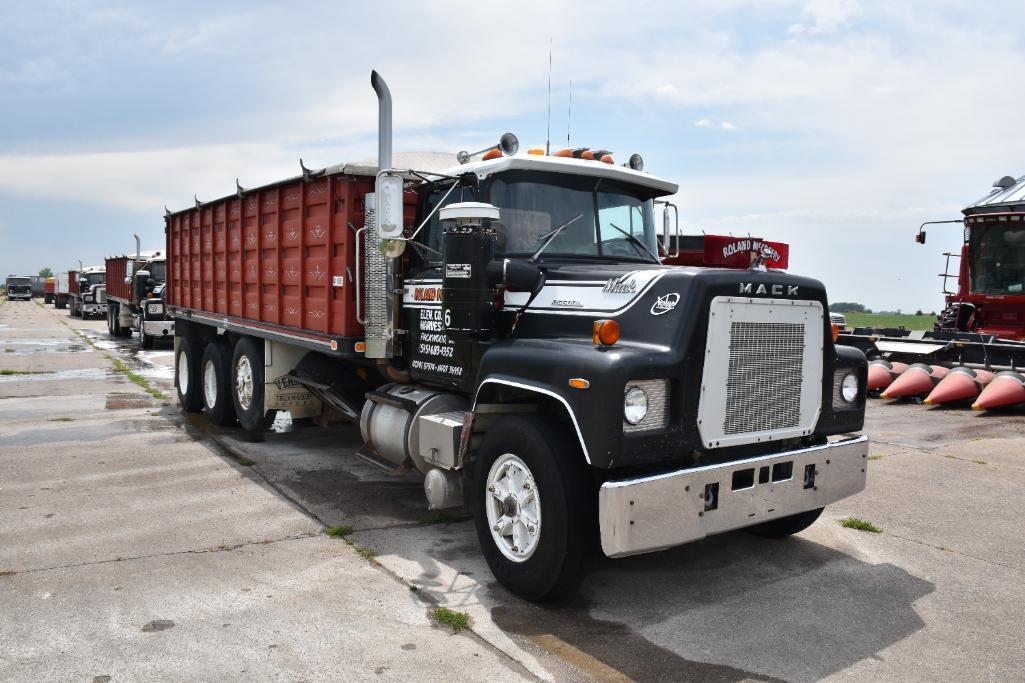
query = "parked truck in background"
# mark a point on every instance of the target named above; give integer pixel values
(19, 287)
(49, 285)
(135, 297)
(86, 292)
(62, 289)
(507, 327)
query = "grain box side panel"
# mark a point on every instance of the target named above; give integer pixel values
(116, 267)
(73, 282)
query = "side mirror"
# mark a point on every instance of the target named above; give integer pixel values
(670, 231)
(141, 284)
(920, 237)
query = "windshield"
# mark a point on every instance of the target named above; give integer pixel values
(533, 204)
(997, 259)
(19, 282)
(158, 271)
(96, 278)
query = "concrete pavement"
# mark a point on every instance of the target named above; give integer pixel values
(935, 596)
(133, 550)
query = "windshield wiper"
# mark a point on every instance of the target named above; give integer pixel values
(636, 242)
(550, 236)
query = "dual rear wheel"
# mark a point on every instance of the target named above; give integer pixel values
(223, 381)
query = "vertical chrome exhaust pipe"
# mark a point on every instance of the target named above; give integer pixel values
(138, 247)
(383, 121)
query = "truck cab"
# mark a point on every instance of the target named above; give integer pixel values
(87, 292)
(688, 400)
(19, 288)
(140, 304)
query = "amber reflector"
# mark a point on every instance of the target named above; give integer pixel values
(605, 332)
(579, 383)
(360, 347)
(836, 332)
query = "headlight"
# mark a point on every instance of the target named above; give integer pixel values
(155, 309)
(849, 388)
(635, 405)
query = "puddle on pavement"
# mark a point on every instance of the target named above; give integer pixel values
(27, 346)
(78, 373)
(80, 433)
(121, 401)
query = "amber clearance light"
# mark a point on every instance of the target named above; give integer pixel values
(605, 332)
(836, 332)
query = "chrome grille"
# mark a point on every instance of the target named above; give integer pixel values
(763, 384)
(658, 405)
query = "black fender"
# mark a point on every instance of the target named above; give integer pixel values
(509, 369)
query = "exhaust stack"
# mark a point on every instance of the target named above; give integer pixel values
(383, 121)
(382, 220)
(138, 248)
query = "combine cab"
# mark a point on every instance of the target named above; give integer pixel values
(976, 353)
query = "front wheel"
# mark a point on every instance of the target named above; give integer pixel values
(786, 526)
(145, 340)
(534, 506)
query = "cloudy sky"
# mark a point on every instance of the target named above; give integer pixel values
(835, 125)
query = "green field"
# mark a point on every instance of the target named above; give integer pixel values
(911, 322)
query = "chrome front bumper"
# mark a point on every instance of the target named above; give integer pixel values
(93, 309)
(652, 513)
(159, 328)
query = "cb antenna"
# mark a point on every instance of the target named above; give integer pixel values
(548, 131)
(569, 114)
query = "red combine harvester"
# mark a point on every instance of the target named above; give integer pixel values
(976, 353)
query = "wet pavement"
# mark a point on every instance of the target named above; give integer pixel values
(936, 595)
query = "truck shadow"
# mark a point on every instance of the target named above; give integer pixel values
(729, 608)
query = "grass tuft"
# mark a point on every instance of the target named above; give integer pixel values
(61, 419)
(457, 621)
(8, 371)
(246, 462)
(860, 525)
(338, 531)
(365, 553)
(138, 379)
(875, 457)
(6, 572)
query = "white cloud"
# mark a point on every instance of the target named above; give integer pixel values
(726, 125)
(703, 123)
(826, 16)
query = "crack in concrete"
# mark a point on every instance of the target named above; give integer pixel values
(950, 550)
(198, 551)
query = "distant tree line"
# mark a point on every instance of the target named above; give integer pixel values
(852, 307)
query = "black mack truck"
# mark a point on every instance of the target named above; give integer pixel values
(524, 347)
(587, 395)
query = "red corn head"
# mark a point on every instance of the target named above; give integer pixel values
(1006, 389)
(881, 373)
(960, 384)
(917, 379)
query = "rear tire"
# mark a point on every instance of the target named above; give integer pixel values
(187, 364)
(247, 384)
(786, 526)
(522, 454)
(216, 382)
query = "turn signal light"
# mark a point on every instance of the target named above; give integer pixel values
(836, 332)
(579, 383)
(536, 151)
(360, 347)
(605, 332)
(563, 153)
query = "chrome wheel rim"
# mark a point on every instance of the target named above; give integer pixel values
(244, 382)
(183, 373)
(210, 384)
(513, 508)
